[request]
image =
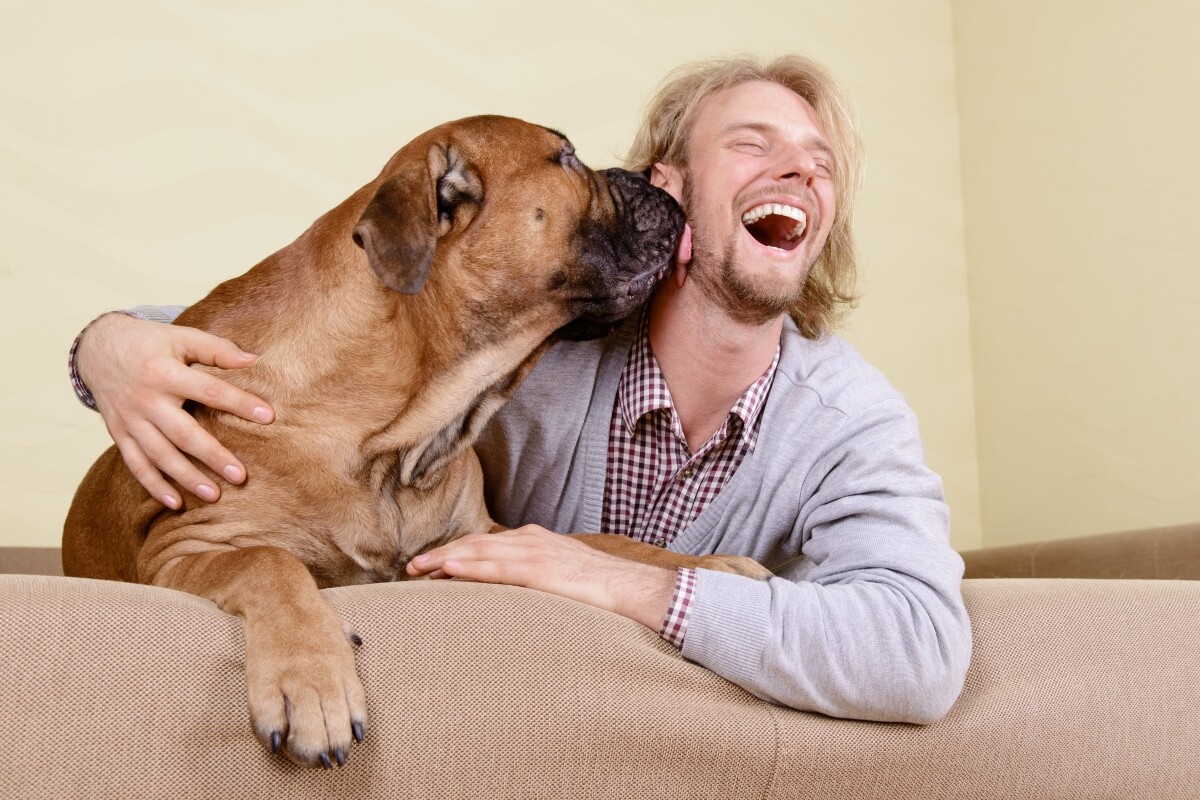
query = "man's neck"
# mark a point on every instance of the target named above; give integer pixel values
(707, 359)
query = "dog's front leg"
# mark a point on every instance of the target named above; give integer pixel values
(304, 695)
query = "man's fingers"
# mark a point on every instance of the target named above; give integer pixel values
(146, 473)
(139, 374)
(483, 571)
(498, 551)
(216, 393)
(203, 347)
(182, 430)
(166, 458)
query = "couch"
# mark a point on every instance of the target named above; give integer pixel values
(1083, 684)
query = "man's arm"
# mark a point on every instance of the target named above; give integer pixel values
(868, 624)
(536, 558)
(135, 372)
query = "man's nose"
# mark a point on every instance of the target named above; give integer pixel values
(795, 163)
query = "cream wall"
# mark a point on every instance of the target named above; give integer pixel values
(149, 150)
(1080, 129)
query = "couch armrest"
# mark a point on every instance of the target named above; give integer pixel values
(1153, 554)
(1077, 689)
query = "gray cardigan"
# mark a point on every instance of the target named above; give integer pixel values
(865, 619)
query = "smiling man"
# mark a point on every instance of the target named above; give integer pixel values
(724, 417)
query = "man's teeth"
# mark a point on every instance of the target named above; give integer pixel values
(779, 209)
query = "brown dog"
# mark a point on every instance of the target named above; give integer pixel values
(480, 243)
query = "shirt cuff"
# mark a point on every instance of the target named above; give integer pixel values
(674, 627)
(81, 390)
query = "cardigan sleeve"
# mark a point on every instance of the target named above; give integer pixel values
(869, 623)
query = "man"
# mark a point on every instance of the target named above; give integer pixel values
(711, 422)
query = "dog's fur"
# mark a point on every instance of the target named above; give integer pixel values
(387, 336)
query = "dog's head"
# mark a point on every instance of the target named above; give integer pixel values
(504, 214)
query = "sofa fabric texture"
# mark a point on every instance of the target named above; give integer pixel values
(1077, 689)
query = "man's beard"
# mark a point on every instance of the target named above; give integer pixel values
(742, 299)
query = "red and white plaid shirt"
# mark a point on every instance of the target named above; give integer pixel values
(654, 486)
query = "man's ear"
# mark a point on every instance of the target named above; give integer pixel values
(669, 178)
(413, 206)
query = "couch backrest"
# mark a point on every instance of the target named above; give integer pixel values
(1153, 554)
(1077, 689)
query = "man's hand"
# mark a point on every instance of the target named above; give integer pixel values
(540, 559)
(138, 373)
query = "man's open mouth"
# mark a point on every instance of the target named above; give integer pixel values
(776, 225)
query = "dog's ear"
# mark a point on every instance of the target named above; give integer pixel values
(412, 208)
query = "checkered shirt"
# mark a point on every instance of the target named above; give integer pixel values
(81, 390)
(654, 486)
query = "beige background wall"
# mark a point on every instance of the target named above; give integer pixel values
(1080, 132)
(148, 150)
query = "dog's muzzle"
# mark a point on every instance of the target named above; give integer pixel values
(626, 254)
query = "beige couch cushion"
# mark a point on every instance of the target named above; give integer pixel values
(1078, 689)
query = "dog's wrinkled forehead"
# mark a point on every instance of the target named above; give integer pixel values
(474, 156)
(565, 148)
(565, 155)
(500, 152)
(505, 143)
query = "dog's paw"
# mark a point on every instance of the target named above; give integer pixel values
(305, 698)
(738, 565)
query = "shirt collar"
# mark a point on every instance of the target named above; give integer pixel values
(643, 389)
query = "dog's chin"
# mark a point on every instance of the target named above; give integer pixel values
(600, 317)
(581, 330)
(597, 323)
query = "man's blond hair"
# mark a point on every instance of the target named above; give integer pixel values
(663, 137)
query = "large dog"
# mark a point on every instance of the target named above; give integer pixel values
(387, 334)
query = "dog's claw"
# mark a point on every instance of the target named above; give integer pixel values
(276, 742)
(356, 640)
(325, 762)
(356, 728)
(340, 755)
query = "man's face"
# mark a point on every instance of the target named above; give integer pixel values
(758, 192)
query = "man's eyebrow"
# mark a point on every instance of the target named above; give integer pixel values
(817, 142)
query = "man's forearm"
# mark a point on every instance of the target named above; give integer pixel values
(77, 359)
(643, 593)
(536, 558)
